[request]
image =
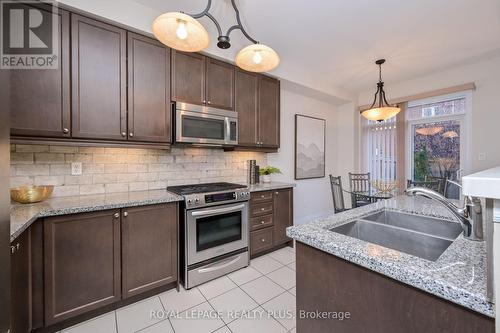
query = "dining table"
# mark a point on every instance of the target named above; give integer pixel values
(369, 196)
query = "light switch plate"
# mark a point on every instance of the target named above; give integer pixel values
(76, 168)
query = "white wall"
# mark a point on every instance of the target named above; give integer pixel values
(483, 136)
(312, 197)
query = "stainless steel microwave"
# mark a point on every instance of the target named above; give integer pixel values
(196, 124)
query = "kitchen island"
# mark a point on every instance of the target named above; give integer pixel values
(386, 290)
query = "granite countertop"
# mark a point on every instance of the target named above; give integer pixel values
(22, 216)
(458, 275)
(269, 186)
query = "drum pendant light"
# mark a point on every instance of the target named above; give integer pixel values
(380, 109)
(184, 33)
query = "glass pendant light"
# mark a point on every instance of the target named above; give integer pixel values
(257, 58)
(380, 109)
(181, 32)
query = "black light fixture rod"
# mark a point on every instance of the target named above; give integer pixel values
(225, 38)
(206, 13)
(239, 25)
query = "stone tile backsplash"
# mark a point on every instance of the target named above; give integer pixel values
(107, 170)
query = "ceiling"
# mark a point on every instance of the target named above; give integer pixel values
(331, 45)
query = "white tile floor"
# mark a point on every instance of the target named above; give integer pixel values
(266, 286)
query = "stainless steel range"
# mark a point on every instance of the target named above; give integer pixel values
(214, 230)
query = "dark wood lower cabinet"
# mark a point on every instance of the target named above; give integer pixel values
(271, 212)
(70, 268)
(82, 263)
(149, 248)
(20, 284)
(283, 214)
(377, 304)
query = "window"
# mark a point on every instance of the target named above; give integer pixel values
(435, 139)
(428, 112)
(380, 149)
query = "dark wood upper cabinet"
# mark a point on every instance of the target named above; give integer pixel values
(269, 112)
(283, 214)
(149, 113)
(82, 263)
(188, 77)
(40, 98)
(219, 85)
(98, 54)
(20, 312)
(246, 104)
(149, 248)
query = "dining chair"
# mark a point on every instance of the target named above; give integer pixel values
(337, 194)
(359, 183)
(430, 184)
(442, 183)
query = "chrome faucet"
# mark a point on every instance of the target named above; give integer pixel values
(470, 216)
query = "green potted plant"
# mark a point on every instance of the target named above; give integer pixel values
(267, 171)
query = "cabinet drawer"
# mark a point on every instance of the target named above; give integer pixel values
(258, 197)
(261, 222)
(261, 209)
(261, 240)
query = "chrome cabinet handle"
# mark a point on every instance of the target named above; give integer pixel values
(124, 134)
(209, 102)
(125, 214)
(262, 196)
(12, 249)
(262, 222)
(204, 102)
(116, 215)
(131, 134)
(65, 130)
(262, 209)
(277, 193)
(263, 240)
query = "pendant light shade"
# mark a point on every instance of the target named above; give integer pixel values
(257, 58)
(380, 114)
(380, 109)
(181, 32)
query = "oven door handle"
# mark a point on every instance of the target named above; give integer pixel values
(218, 211)
(217, 267)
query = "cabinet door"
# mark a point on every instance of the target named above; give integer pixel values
(188, 77)
(269, 112)
(82, 263)
(148, 90)
(219, 85)
(98, 56)
(40, 98)
(246, 104)
(20, 317)
(283, 214)
(149, 247)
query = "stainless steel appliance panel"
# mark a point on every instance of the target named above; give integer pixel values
(214, 231)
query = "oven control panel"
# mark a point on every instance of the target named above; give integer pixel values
(209, 199)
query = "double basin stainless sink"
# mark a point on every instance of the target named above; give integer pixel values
(421, 236)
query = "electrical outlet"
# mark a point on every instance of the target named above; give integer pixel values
(76, 168)
(482, 156)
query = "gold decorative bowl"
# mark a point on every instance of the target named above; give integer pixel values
(385, 186)
(31, 194)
